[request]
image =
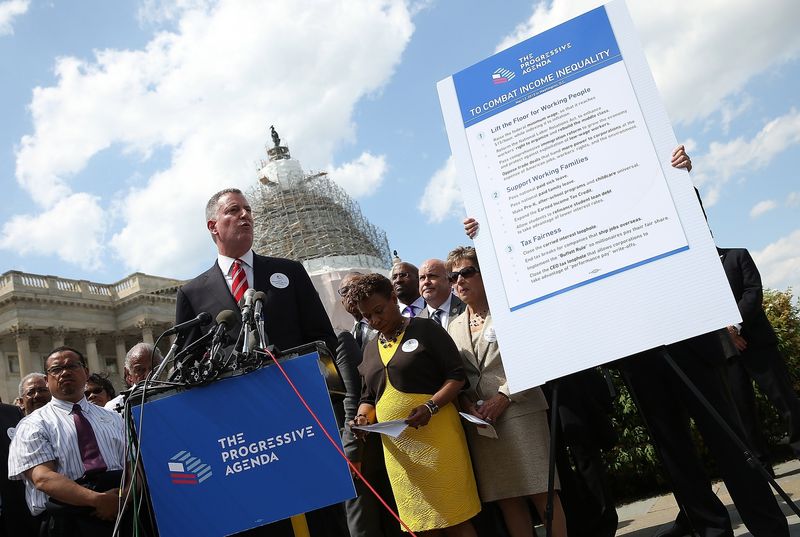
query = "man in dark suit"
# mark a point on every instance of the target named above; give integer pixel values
(16, 518)
(666, 404)
(759, 358)
(292, 310)
(435, 288)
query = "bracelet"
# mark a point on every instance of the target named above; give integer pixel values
(508, 398)
(432, 407)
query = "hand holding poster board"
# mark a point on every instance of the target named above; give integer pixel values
(592, 247)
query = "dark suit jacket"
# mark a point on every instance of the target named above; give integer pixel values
(293, 315)
(457, 307)
(17, 519)
(745, 283)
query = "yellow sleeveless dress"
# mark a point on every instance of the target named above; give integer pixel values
(429, 468)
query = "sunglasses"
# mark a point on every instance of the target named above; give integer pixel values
(466, 272)
(94, 391)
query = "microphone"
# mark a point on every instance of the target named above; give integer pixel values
(202, 319)
(246, 303)
(225, 319)
(259, 299)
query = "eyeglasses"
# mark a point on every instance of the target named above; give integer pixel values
(466, 272)
(56, 370)
(93, 391)
(343, 290)
(33, 391)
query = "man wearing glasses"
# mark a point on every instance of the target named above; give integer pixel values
(140, 360)
(34, 392)
(65, 449)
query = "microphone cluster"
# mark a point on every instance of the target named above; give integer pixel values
(206, 357)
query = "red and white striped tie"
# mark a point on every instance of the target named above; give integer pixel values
(239, 282)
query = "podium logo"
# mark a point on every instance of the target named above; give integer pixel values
(502, 75)
(184, 469)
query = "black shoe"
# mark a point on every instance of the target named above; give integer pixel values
(675, 530)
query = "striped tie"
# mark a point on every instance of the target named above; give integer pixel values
(239, 280)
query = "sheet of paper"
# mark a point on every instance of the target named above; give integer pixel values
(592, 247)
(390, 428)
(487, 428)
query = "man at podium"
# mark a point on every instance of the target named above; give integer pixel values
(293, 312)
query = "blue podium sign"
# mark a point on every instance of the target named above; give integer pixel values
(241, 452)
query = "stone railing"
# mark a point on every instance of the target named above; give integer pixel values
(16, 281)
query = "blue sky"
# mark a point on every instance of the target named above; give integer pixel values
(120, 119)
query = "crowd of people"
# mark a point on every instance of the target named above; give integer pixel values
(423, 349)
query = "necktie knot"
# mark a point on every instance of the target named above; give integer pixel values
(437, 316)
(76, 408)
(238, 280)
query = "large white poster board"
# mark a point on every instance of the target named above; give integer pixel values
(591, 246)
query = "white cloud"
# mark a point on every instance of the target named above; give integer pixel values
(9, 10)
(207, 92)
(702, 57)
(731, 110)
(741, 156)
(362, 176)
(442, 197)
(72, 229)
(779, 262)
(793, 200)
(159, 11)
(762, 207)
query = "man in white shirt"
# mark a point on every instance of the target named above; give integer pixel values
(435, 288)
(405, 278)
(66, 440)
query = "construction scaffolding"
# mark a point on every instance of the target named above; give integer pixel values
(308, 217)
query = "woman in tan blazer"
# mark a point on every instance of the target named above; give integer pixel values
(512, 468)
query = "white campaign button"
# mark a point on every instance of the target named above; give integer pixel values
(410, 345)
(490, 335)
(279, 280)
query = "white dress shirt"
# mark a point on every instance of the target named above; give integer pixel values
(418, 305)
(444, 308)
(49, 435)
(225, 264)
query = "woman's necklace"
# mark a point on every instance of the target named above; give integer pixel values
(477, 319)
(387, 342)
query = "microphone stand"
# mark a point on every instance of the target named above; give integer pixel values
(262, 335)
(176, 344)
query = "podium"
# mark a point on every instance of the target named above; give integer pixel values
(241, 452)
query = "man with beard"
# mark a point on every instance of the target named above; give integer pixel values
(66, 441)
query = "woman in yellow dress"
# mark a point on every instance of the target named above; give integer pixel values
(412, 371)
